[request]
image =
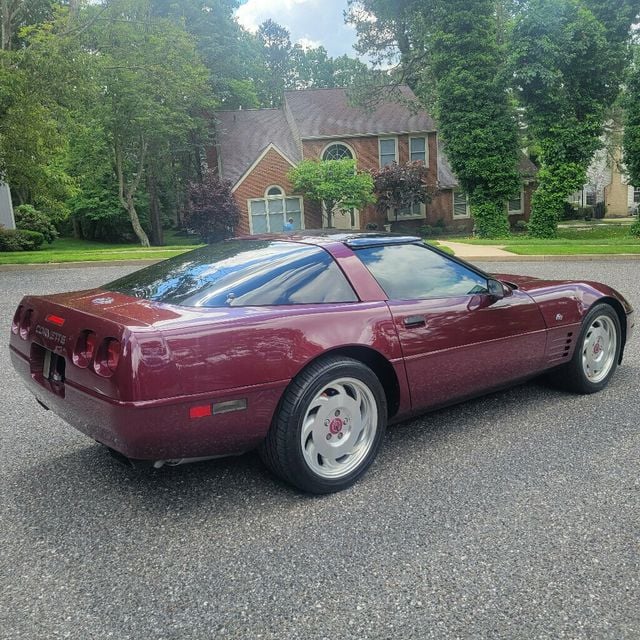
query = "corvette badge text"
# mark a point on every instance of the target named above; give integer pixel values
(54, 336)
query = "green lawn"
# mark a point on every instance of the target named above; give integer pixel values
(73, 250)
(597, 239)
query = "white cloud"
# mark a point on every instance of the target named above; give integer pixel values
(306, 43)
(310, 22)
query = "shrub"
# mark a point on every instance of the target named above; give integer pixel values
(635, 229)
(20, 240)
(28, 218)
(520, 226)
(212, 211)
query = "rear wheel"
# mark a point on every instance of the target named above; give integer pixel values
(597, 352)
(328, 427)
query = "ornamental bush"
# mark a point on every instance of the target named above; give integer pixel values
(20, 240)
(28, 218)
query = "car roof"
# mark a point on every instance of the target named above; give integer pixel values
(330, 236)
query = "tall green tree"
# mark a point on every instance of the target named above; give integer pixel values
(154, 98)
(566, 72)
(631, 139)
(276, 48)
(477, 122)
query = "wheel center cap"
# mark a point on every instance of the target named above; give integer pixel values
(597, 347)
(336, 425)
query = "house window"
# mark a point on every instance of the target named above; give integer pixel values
(575, 198)
(337, 151)
(516, 205)
(274, 191)
(388, 151)
(461, 205)
(590, 199)
(418, 150)
(636, 195)
(268, 214)
(416, 211)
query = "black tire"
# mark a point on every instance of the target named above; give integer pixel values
(573, 376)
(283, 451)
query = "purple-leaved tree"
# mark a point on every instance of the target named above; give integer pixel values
(212, 211)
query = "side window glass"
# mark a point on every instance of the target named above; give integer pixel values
(413, 272)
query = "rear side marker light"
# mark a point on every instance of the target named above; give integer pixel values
(15, 323)
(85, 349)
(200, 411)
(53, 319)
(25, 324)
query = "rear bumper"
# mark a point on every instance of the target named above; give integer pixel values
(160, 429)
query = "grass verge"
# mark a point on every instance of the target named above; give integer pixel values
(598, 239)
(74, 250)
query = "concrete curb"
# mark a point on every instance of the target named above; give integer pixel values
(78, 265)
(590, 257)
(593, 257)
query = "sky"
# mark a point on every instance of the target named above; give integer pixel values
(310, 22)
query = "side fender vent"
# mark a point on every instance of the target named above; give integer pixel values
(560, 345)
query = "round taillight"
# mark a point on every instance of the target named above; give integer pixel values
(113, 355)
(85, 349)
(107, 358)
(25, 324)
(15, 323)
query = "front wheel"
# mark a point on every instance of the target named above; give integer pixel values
(597, 352)
(328, 427)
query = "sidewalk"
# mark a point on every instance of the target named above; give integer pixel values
(495, 253)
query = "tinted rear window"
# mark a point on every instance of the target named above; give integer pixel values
(241, 273)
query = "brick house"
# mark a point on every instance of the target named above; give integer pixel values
(256, 148)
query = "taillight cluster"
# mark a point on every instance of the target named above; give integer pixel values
(102, 358)
(21, 323)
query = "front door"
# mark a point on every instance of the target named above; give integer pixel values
(457, 340)
(341, 219)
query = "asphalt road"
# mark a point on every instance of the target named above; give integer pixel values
(514, 516)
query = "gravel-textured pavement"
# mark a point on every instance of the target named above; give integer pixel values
(513, 516)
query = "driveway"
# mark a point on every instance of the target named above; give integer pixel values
(513, 516)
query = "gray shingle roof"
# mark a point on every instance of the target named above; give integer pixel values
(244, 134)
(447, 179)
(328, 113)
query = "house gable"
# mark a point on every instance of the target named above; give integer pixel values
(269, 148)
(268, 170)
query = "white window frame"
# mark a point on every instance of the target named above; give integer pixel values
(382, 139)
(636, 195)
(457, 216)
(284, 197)
(273, 186)
(391, 214)
(426, 148)
(343, 143)
(520, 211)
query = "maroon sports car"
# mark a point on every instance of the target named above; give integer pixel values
(304, 346)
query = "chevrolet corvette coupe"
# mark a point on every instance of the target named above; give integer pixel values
(304, 346)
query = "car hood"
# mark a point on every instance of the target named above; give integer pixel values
(529, 283)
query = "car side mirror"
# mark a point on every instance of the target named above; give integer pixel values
(496, 289)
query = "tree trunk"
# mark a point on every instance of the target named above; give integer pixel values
(126, 193)
(5, 35)
(154, 210)
(135, 222)
(77, 228)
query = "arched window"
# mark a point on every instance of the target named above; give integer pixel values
(274, 191)
(337, 151)
(271, 213)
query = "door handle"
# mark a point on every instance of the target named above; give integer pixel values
(415, 321)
